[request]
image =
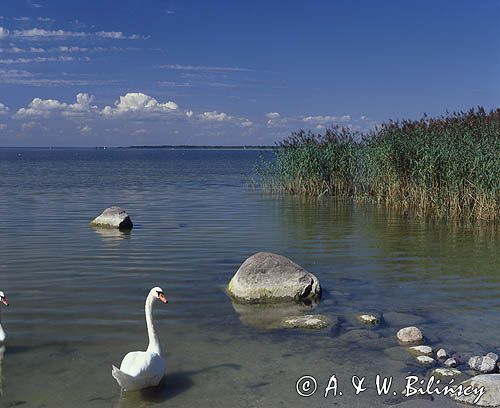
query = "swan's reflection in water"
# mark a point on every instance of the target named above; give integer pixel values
(171, 385)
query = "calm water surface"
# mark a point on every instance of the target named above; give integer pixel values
(77, 293)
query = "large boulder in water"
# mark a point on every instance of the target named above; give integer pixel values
(269, 278)
(113, 217)
(490, 386)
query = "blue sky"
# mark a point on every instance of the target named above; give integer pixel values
(117, 73)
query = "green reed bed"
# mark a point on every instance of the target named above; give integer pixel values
(446, 167)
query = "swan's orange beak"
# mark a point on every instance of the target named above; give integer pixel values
(162, 297)
(4, 301)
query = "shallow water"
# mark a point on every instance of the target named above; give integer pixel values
(77, 294)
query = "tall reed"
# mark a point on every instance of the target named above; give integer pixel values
(447, 166)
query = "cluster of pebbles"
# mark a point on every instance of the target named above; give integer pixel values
(426, 356)
(266, 284)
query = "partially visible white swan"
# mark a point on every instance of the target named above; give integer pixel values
(142, 369)
(3, 300)
(3, 336)
(2, 350)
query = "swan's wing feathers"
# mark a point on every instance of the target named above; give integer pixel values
(124, 380)
(136, 363)
(140, 369)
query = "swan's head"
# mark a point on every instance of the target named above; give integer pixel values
(3, 299)
(157, 292)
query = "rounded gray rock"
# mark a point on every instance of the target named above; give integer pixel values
(409, 335)
(482, 364)
(425, 360)
(493, 356)
(113, 217)
(491, 384)
(441, 354)
(450, 363)
(270, 278)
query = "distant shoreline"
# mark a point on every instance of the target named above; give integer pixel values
(173, 147)
(200, 147)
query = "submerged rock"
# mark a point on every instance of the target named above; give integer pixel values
(491, 397)
(113, 217)
(483, 364)
(270, 316)
(306, 322)
(461, 358)
(425, 360)
(402, 319)
(409, 335)
(421, 350)
(269, 278)
(368, 319)
(446, 372)
(359, 336)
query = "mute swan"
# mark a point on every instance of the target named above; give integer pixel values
(3, 300)
(142, 369)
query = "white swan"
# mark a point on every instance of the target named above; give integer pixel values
(3, 300)
(3, 336)
(142, 369)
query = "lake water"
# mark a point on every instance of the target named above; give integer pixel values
(77, 294)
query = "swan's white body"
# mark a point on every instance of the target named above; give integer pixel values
(142, 369)
(3, 335)
(2, 350)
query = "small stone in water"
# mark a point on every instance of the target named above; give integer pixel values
(410, 335)
(451, 362)
(446, 372)
(421, 350)
(425, 360)
(493, 356)
(441, 354)
(307, 322)
(368, 319)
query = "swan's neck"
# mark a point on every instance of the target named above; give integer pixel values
(154, 342)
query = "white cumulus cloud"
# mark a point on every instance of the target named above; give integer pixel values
(272, 115)
(48, 107)
(273, 119)
(214, 116)
(3, 109)
(138, 103)
(3, 32)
